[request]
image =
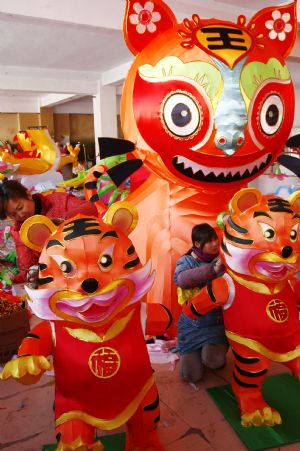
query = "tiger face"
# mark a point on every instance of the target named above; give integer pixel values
(89, 271)
(207, 101)
(261, 236)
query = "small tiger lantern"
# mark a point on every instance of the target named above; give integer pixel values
(90, 293)
(258, 294)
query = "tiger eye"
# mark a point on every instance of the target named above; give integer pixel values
(66, 266)
(269, 233)
(105, 260)
(130, 250)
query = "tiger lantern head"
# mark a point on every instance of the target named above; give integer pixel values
(89, 270)
(261, 238)
(208, 101)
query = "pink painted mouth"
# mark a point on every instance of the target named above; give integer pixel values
(94, 308)
(275, 271)
(94, 311)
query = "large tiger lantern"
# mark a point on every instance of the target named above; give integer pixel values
(258, 294)
(90, 297)
(209, 105)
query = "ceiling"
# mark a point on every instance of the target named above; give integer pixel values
(54, 51)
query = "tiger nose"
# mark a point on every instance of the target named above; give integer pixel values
(229, 142)
(286, 251)
(90, 285)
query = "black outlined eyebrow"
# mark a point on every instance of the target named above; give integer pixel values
(110, 233)
(261, 213)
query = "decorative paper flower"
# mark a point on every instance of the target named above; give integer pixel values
(277, 176)
(279, 26)
(7, 168)
(145, 17)
(276, 172)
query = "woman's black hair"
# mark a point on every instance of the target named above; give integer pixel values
(203, 233)
(10, 189)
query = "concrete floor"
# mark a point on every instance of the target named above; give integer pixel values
(190, 421)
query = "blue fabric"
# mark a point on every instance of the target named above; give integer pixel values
(194, 334)
(207, 329)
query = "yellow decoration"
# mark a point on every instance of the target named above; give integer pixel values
(108, 424)
(69, 294)
(277, 311)
(228, 55)
(256, 346)
(91, 336)
(71, 158)
(258, 287)
(27, 369)
(35, 227)
(105, 362)
(265, 416)
(184, 294)
(79, 444)
(122, 215)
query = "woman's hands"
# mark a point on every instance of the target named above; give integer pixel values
(32, 276)
(218, 265)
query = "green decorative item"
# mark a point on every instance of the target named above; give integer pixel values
(281, 391)
(8, 257)
(108, 191)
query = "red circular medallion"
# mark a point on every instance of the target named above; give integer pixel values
(104, 362)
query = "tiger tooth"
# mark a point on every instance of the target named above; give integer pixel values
(218, 172)
(244, 172)
(215, 171)
(194, 167)
(206, 170)
(185, 164)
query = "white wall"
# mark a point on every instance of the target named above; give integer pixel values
(19, 104)
(76, 107)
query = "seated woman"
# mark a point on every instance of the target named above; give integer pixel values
(202, 342)
(18, 204)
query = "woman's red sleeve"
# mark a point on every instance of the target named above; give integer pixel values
(25, 258)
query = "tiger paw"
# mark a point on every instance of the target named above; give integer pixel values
(27, 369)
(266, 416)
(79, 445)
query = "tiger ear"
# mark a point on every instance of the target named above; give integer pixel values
(35, 231)
(294, 200)
(244, 199)
(123, 216)
(276, 25)
(138, 19)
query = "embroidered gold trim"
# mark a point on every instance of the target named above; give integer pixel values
(258, 287)
(113, 423)
(256, 346)
(92, 337)
(105, 362)
(277, 311)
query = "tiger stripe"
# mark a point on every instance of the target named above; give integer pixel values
(244, 384)
(236, 239)
(153, 405)
(249, 373)
(246, 360)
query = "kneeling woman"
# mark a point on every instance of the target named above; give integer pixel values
(202, 342)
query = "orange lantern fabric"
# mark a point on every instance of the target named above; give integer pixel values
(209, 104)
(90, 294)
(259, 295)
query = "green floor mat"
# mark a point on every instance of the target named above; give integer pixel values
(281, 392)
(114, 442)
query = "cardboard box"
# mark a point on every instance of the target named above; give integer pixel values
(13, 328)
